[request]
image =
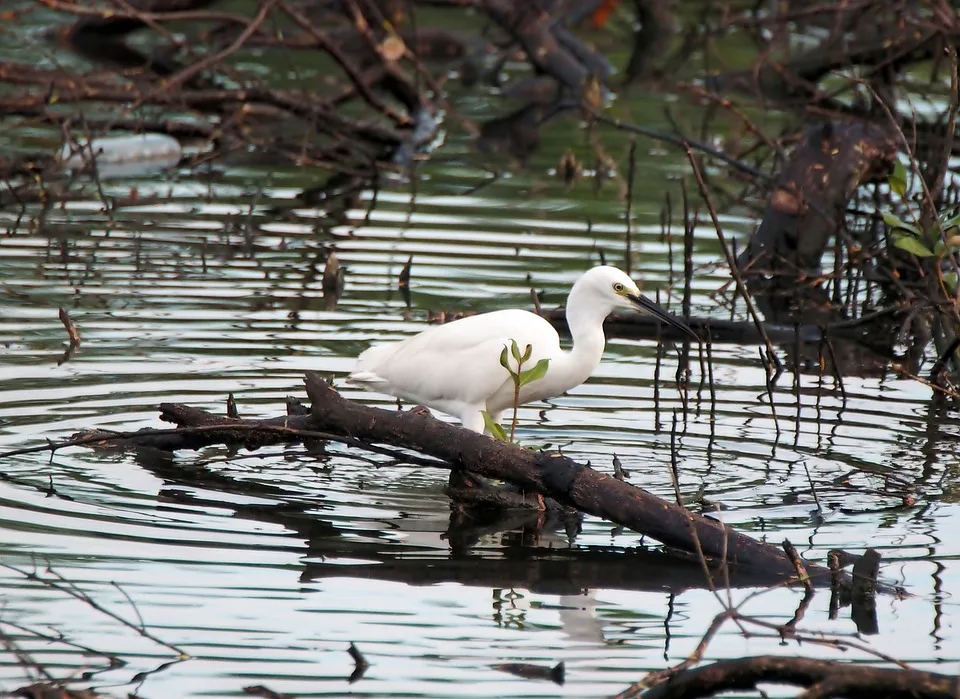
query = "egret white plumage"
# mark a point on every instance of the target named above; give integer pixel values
(455, 368)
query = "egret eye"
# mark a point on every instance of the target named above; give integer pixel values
(618, 287)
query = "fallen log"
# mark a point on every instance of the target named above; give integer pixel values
(824, 678)
(541, 477)
(525, 560)
(547, 473)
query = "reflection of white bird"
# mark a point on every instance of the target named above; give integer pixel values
(455, 368)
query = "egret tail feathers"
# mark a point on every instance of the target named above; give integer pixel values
(368, 378)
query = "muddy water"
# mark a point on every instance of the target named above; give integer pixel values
(264, 566)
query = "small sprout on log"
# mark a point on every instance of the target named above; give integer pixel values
(520, 377)
(538, 371)
(619, 472)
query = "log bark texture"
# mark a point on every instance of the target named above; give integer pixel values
(823, 678)
(807, 205)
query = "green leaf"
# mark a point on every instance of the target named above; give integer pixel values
(898, 180)
(492, 427)
(537, 372)
(515, 350)
(526, 353)
(895, 222)
(948, 221)
(504, 362)
(911, 245)
(950, 281)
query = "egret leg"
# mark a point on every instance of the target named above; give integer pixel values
(473, 420)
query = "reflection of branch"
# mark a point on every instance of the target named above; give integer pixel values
(113, 660)
(46, 684)
(734, 270)
(61, 584)
(187, 74)
(663, 676)
(23, 657)
(358, 80)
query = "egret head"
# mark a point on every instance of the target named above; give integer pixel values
(613, 289)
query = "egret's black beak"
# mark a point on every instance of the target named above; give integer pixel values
(648, 306)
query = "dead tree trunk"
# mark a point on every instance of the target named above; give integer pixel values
(807, 205)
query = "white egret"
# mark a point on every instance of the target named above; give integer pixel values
(455, 368)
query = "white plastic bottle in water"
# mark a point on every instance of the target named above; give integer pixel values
(123, 155)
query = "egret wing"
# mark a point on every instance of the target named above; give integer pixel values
(457, 362)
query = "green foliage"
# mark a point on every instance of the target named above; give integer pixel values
(898, 180)
(538, 372)
(520, 377)
(911, 244)
(493, 428)
(950, 221)
(910, 238)
(950, 281)
(896, 223)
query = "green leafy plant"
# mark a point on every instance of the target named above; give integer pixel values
(520, 377)
(912, 238)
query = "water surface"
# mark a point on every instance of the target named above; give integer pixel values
(264, 566)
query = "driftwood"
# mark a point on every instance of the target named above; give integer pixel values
(536, 474)
(823, 678)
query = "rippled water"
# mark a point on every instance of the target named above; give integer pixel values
(264, 566)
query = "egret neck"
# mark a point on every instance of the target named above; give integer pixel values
(585, 321)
